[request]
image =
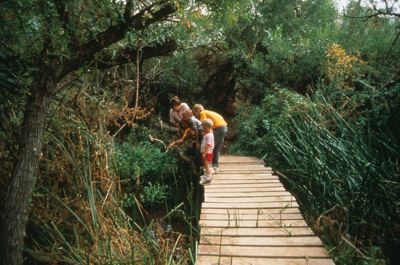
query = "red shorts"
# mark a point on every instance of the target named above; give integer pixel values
(208, 158)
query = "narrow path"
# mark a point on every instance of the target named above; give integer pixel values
(248, 217)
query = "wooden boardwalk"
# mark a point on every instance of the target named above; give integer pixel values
(248, 217)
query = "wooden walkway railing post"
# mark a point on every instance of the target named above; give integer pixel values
(248, 217)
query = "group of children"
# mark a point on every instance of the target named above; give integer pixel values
(206, 128)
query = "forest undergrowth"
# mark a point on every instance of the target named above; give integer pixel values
(110, 196)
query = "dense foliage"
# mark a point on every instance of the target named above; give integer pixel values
(85, 91)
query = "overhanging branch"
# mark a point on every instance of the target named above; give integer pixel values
(87, 51)
(128, 55)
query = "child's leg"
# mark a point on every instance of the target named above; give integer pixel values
(206, 178)
(207, 167)
(207, 164)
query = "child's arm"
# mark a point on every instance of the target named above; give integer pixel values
(180, 141)
(177, 142)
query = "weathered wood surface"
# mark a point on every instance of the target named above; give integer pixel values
(248, 218)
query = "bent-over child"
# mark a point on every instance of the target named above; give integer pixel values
(191, 153)
(206, 149)
(194, 125)
(180, 141)
(196, 131)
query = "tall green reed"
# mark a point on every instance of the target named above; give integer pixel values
(340, 156)
(82, 219)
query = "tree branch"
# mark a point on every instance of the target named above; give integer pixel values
(376, 14)
(86, 52)
(128, 9)
(64, 18)
(376, 11)
(128, 54)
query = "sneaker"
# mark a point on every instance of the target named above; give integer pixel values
(215, 169)
(212, 171)
(205, 179)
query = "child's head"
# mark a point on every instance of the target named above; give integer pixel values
(175, 103)
(187, 115)
(207, 124)
(197, 108)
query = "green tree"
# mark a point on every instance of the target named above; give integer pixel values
(43, 43)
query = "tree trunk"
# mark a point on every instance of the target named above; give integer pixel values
(15, 210)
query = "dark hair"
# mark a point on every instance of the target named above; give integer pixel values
(175, 101)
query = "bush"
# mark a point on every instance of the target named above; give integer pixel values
(148, 169)
(154, 194)
(259, 124)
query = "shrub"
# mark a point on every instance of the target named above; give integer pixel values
(259, 124)
(148, 170)
(154, 194)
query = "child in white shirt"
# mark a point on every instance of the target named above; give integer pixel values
(206, 149)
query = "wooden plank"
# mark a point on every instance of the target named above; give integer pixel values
(232, 217)
(210, 188)
(248, 205)
(244, 172)
(232, 158)
(288, 198)
(211, 193)
(237, 222)
(244, 176)
(229, 157)
(258, 231)
(261, 241)
(241, 186)
(214, 260)
(304, 261)
(265, 177)
(216, 180)
(235, 161)
(238, 160)
(247, 173)
(237, 168)
(247, 166)
(251, 211)
(260, 251)
(230, 170)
